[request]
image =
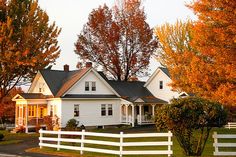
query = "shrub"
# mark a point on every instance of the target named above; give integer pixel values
(1, 137)
(190, 120)
(71, 125)
(48, 122)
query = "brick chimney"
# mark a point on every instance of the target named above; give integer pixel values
(88, 64)
(66, 68)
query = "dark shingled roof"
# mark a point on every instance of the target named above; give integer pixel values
(88, 96)
(33, 95)
(55, 78)
(134, 90)
(60, 81)
(165, 70)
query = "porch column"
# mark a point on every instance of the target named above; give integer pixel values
(140, 114)
(26, 119)
(126, 113)
(37, 115)
(16, 114)
(153, 110)
(121, 115)
(132, 115)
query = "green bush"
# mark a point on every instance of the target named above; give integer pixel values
(1, 137)
(71, 125)
(190, 120)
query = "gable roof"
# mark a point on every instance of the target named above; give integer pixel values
(60, 81)
(133, 91)
(163, 69)
(30, 96)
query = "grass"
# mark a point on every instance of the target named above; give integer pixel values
(178, 152)
(10, 138)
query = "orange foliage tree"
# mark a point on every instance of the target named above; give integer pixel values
(207, 61)
(7, 106)
(118, 39)
(27, 42)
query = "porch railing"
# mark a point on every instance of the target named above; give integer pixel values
(125, 120)
(145, 119)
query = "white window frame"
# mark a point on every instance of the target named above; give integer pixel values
(76, 109)
(93, 86)
(106, 110)
(86, 88)
(109, 109)
(103, 109)
(161, 85)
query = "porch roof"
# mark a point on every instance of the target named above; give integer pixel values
(89, 96)
(33, 96)
(134, 90)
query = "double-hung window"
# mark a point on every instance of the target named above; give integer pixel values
(110, 111)
(86, 86)
(161, 84)
(103, 110)
(106, 110)
(76, 110)
(90, 86)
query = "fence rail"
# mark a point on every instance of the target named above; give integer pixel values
(231, 125)
(120, 144)
(218, 145)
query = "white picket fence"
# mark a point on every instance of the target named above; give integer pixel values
(231, 125)
(120, 144)
(217, 144)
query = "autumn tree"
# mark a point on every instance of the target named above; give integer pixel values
(7, 106)
(27, 42)
(201, 58)
(119, 39)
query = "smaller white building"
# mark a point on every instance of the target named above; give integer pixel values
(89, 97)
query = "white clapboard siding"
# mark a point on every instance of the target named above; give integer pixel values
(217, 145)
(231, 125)
(119, 144)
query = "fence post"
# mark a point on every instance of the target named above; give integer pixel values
(82, 141)
(40, 138)
(215, 143)
(58, 139)
(229, 125)
(169, 145)
(121, 143)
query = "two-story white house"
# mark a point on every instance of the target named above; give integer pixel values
(89, 97)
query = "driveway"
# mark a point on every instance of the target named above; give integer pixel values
(18, 150)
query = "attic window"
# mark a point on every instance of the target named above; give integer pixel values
(41, 87)
(93, 86)
(86, 86)
(161, 85)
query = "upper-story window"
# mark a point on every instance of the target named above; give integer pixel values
(161, 85)
(86, 86)
(41, 87)
(93, 86)
(90, 86)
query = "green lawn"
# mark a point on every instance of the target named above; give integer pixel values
(10, 138)
(176, 148)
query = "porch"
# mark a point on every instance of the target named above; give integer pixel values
(138, 114)
(30, 115)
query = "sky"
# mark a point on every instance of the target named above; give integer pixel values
(71, 15)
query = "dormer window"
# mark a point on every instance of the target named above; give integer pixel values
(161, 85)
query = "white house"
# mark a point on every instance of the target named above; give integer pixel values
(89, 97)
